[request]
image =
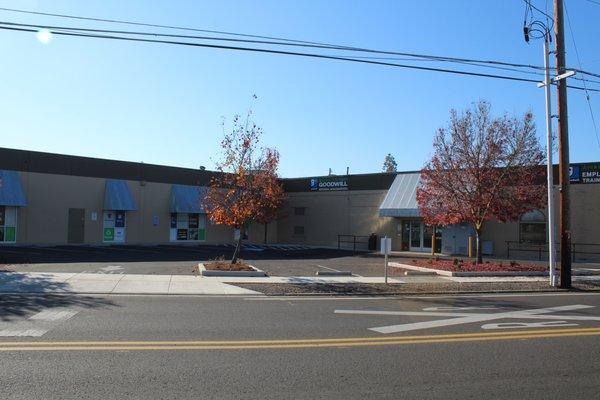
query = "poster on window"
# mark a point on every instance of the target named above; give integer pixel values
(193, 222)
(173, 220)
(2, 215)
(119, 235)
(193, 234)
(109, 219)
(109, 234)
(182, 234)
(120, 219)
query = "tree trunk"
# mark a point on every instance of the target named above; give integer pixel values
(238, 247)
(266, 224)
(478, 246)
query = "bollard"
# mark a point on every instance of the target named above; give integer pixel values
(470, 246)
(433, 243)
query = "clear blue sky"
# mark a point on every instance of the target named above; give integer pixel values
(163, 104)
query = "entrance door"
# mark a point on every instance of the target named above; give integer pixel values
(76, 225)
(415, 236)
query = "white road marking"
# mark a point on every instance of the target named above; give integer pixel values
(111, 269)
(22, 332)
(38, 324)
(337, 270)
(51, 315)
(518, 325)
(331, 269)
(458, 308)
(468, 318)
(487, 296)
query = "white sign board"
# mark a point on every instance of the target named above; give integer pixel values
(386, 245)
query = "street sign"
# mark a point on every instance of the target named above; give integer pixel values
(386, 245)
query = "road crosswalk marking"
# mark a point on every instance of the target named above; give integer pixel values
(36, 325)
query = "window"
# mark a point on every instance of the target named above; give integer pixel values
(113, 224)
(8, 224)
(298, 230)
(299, 210)
(187, 227)
(532, 227)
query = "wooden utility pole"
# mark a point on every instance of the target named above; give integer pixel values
(563, 150)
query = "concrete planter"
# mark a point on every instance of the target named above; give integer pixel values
(256, 273)
(469, 273)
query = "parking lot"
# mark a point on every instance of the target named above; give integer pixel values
(276, 260)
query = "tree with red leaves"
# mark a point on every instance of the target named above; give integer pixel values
(482, 169)
(247, 188)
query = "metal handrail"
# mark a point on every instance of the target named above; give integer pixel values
(353, 241)
(543, 248)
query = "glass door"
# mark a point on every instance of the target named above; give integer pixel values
(416, 238)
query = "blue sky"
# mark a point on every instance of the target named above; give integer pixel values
(164, 104)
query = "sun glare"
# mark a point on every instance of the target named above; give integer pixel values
(44, 36)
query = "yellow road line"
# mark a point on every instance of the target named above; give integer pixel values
(289, 344)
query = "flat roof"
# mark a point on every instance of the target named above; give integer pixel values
(62, 164)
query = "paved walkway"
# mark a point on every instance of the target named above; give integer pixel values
(56, 282)
(61, 282)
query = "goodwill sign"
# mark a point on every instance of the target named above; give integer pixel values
(329, 183)
(584, 173)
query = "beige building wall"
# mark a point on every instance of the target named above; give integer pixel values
(44, 221)
(333, 213)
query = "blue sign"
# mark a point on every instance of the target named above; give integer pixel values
(120, 219)
(314, 184)
(574, 174)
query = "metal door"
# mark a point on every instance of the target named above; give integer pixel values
(76, 225)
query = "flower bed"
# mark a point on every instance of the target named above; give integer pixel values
(227, 266)
(461, 265)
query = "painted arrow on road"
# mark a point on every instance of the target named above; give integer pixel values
(461, 318)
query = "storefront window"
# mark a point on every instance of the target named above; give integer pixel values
(114, 225)
(8, 224)
(188, 227)
(532, 227)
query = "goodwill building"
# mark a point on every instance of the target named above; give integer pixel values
(53, 199)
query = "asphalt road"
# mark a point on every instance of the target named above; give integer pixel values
(143, 347)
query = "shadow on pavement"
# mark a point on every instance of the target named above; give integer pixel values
(21, 295)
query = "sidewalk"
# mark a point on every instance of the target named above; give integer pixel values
(86, 283)
(55, 282)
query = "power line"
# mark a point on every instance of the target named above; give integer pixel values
(412, 58)
(587, 95)
(290, 41)
(116, 21)
(281, 52)
(594, 2)
(326, 45)
(271, 51)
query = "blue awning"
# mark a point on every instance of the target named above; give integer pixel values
(11, 190)
(187, 199)
(117, 196)
(401, 199)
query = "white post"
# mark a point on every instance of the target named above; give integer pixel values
(386, 266)
(386, 250)
(549, 173)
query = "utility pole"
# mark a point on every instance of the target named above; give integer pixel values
(563, 150)
(549, 166)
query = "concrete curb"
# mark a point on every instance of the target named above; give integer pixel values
(465, 274)
(257, 273)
